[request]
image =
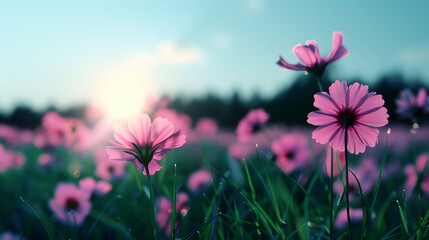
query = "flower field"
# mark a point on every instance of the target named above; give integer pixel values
(346, 173)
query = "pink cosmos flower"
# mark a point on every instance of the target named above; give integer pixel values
(10, 236)
(355, 217)
(69, 198)
(10, 159)
(198, 180)
(309, 55)
(106, 168)
(413, 174)
(141, 141)
(348, 107)
(413, 107)
(291, 152)
(207, 127)
(165, 207)
(251, 124)
(180, 121)
(46, 159)
(93, 188)
(340, 160)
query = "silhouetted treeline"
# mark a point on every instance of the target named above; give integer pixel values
(290, 105)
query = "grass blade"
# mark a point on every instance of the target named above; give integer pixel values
(37, 216)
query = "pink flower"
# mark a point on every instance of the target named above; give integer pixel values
(207, 127)
(180, 121)
(10, 236)
(45, 159)
(291, 152)
(340, 160)
(10, 159)
(413, 107)
(69, 198)
(199, 179)
(251, 124)
(93, 188)
(352, 107)
(309, 55)
(106, 168)
(165, 207)
(141, 141)
(420, 171)
(355, 217)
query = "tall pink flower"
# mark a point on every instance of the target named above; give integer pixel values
(141, 141)
(69, 198)
(309, 55)
(350, 107)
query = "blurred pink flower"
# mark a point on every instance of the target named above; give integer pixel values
(340, 160)
(251, 124)
(199, 179)
(366, 173)
(93, 188)
(141, 141)
(10, 159)
(45, 159)
(419, 173)
(15, 136)
(309, 55)
(165, 207)
(207, 127)
(69, 198)
(352, 107)
(355, 217)
(180, 121)
(106, 168)
(413, 107)
(291, 152)
(10, 236)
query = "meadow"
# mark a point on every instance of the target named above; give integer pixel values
(346, 173)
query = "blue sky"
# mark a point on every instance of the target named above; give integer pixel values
(72, 52)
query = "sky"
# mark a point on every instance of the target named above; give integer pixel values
(117, 53)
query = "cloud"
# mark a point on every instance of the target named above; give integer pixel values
(414, 55)
(172, 53)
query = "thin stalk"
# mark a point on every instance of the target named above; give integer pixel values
(347, 185)
(151, 200)
(319, 83)
(331, 197)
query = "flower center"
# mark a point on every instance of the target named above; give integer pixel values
(72, 204)
(290, 155)
(256, 127)
(347, 119)
(111, 169)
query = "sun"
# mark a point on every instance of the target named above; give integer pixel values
(120, 97)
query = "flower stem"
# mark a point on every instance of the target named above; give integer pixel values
(319, 83)
(151, 200)
(347, 184)
(331, 197)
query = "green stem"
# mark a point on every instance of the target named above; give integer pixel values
(331, 197)
(319, 83)
(347, 185)
(151, 200)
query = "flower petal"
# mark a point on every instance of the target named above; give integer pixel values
(338, 91)
(306, 55)
(139, 127)
(378, 118)
(319, 118)
(296, 67)
(323, 134)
